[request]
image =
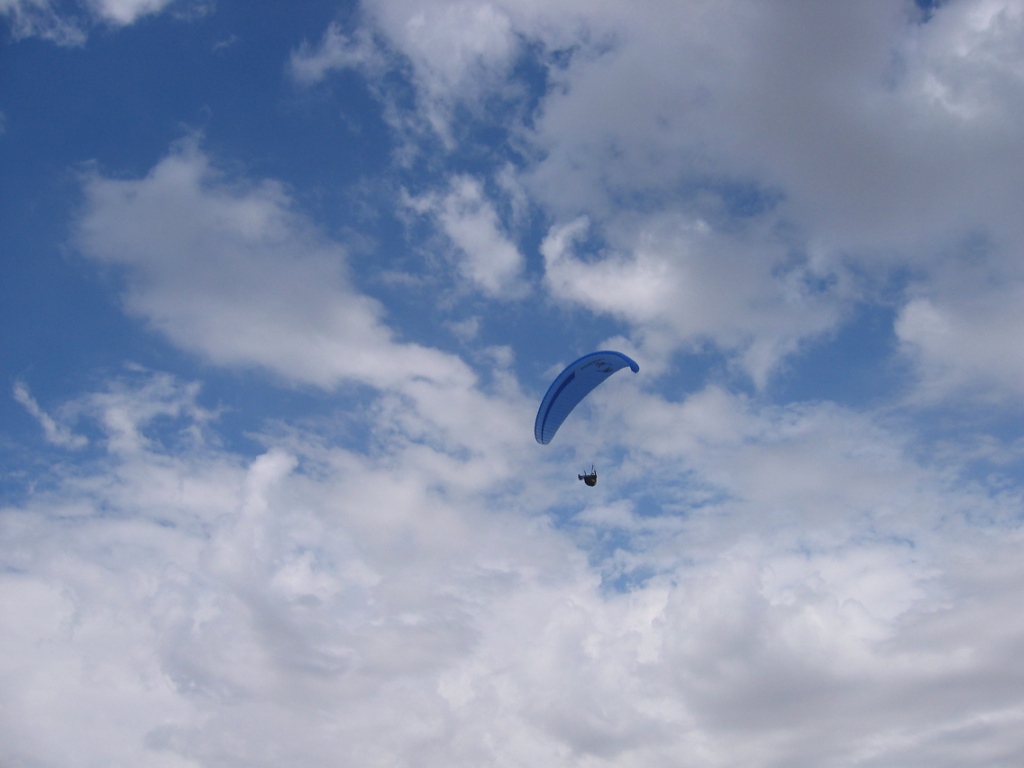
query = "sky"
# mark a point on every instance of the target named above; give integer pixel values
(283, 285)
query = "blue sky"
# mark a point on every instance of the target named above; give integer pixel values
(284, 283)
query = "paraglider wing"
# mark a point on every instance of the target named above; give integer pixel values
(572, 385)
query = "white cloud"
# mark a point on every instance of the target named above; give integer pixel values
(124, 411)
(960, 323)
(54, 21)
(336, 51)
(868, 134)
(460, 52)
(966, 344)
(486, 257)
(38, 18)
(56, 433)
(317, 605)
(864, 136)
(230, 271)
(750, 584)
(748, 92)
(679, 283)
(975, 60)
(124, 12)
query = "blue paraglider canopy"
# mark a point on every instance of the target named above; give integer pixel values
(573, 384)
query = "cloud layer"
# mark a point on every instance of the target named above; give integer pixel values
(832, 601)
(855, 142)
(403, 577)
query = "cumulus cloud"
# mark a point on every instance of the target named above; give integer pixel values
(314, 604)
(968, 344)
(485, 256)
(460, 52)
(229, 270)
(871, 133)
(763, 584)
(870, 137)
(850, 132)
(679, 283)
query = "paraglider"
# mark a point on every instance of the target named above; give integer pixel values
(570, 387)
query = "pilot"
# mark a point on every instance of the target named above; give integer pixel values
(590, 479)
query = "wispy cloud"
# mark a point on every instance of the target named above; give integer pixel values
(56, 433)
(69, 24)
(39, 18)
(310, 64)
